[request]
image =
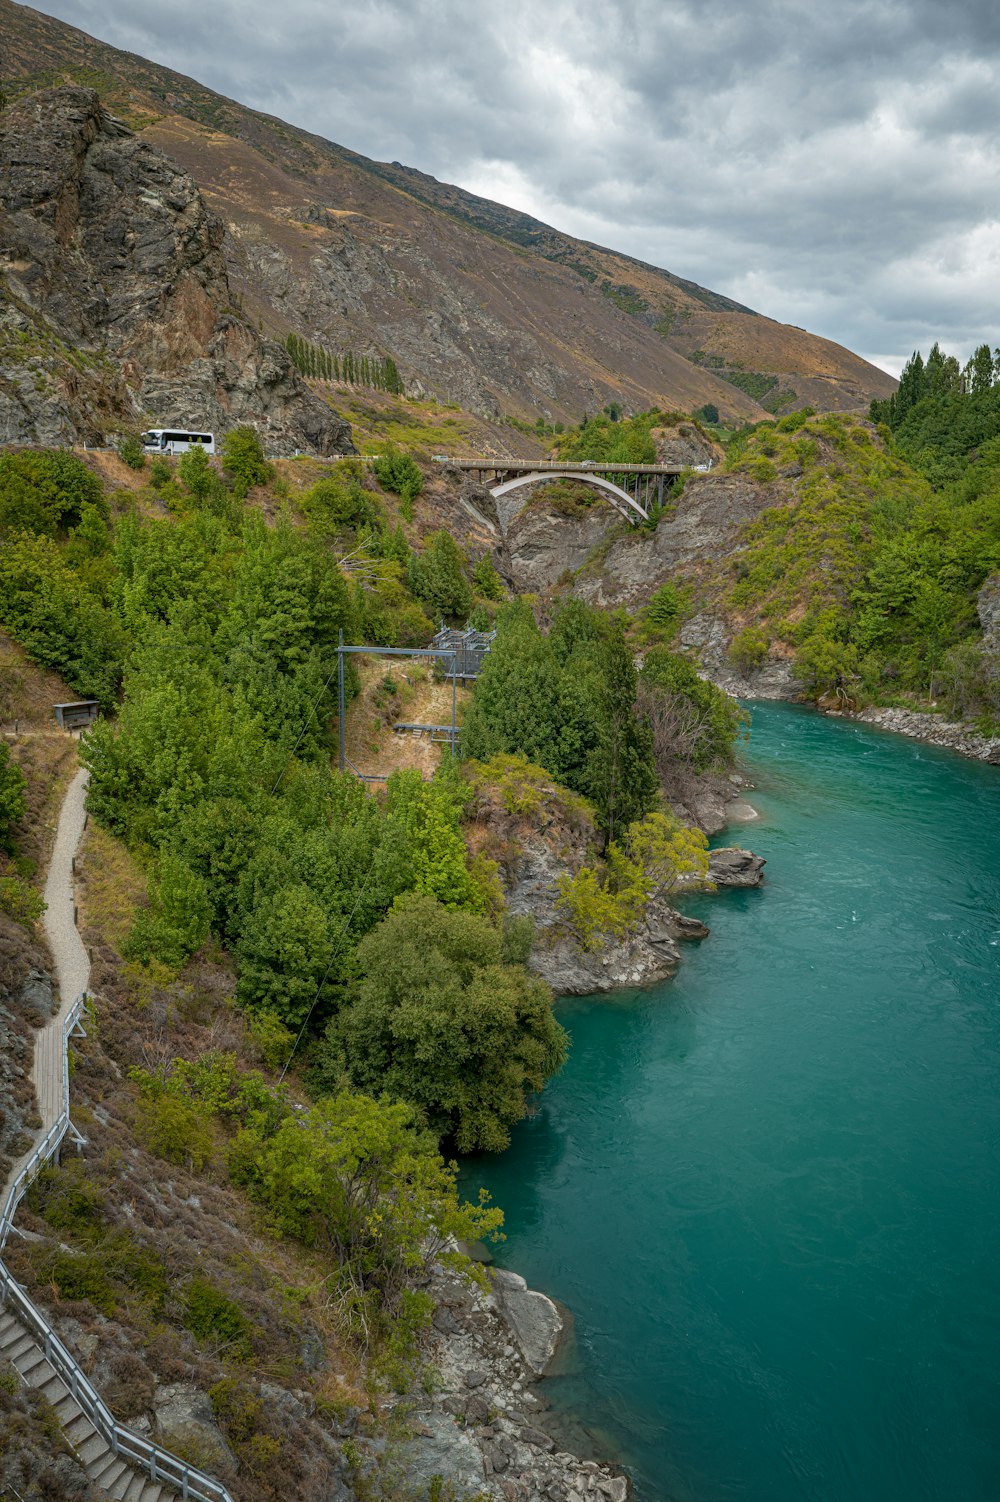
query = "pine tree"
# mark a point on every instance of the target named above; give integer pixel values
(623, 776)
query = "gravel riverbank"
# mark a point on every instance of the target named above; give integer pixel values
(952, 735)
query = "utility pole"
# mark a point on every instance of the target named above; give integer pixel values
(340, 701)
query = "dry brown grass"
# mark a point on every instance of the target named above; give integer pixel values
(110, 886)
(27, 692)
(372, 744)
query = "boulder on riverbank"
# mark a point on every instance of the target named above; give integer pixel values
(484, 1426)
(733, 867)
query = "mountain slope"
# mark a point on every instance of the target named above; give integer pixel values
(477, 303)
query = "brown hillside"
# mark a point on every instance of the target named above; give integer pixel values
(478, 304)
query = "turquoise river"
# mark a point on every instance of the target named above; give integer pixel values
(768, 1190)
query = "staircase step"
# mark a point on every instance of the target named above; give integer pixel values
(105, 1474)
(19, 1348)
(153, 1492)
(67, 1408)
(91, 1448)
(53, 1388)
(79, 1429)
(34, 1368)
(8, 1323)
(136, 1487)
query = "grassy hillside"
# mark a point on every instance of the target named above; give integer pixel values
(859, 568)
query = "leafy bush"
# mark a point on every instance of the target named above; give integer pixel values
(178, 921)
(663, 609)
(659, 855)
(131, 452)
(244, 460)
(397, 472)
(210, 1315)
(21, 901)
(160, 473)
(437, 576)
(354, 1178)
(486, 580)
(45, 491)
(439, 1020)
(174, 1129)
(749, 648)
(335, 503)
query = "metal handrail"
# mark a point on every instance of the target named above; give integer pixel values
(157, 1463)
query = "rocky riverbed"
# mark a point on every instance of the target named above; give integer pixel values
(952, 735)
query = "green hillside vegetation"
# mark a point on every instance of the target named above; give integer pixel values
(566, 700)
(868, 565)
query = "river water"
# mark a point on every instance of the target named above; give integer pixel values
(767, 1190)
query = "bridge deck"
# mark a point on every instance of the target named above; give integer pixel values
(575, 466)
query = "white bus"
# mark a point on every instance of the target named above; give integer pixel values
(174, 441)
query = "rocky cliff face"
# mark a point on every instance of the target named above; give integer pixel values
(115, 305)
(988, 607)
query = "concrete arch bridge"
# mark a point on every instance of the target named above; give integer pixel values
(632, 489)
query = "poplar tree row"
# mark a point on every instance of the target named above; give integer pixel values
(312, 360)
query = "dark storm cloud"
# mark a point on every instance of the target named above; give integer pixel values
(835, 166)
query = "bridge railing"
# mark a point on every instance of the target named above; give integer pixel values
(156, 1463)
(580, 466)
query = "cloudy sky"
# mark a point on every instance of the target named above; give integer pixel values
(834, 165)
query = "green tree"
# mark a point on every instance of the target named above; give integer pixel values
(177, 923)
(355, 1179)
(396, 471)
(622, 773)
(486, 580)
(244, 460)
(437, 576)
(45, 491)
(439, 1020)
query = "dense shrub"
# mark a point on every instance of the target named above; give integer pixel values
(442, 1022)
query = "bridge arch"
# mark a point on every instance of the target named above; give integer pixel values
(614, 494)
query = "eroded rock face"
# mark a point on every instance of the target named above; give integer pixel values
(543, 544)
(115, 307)
(484, 1428)
(988, 606)
(710, 512)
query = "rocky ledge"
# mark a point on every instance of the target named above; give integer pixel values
(484, 1428)
(951, 735)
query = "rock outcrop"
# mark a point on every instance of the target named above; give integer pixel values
(730, 866)
(484, 1428)
(988, 607)
(115, 305)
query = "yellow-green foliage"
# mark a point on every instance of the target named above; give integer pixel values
(175, 1129)
(664, 852)
(814, 547)
(421, 428)
(609, 903)
(748, 648)
(596, 912)
(525, 789)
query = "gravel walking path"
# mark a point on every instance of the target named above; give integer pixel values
(72, 968)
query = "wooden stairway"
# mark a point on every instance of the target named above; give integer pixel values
(111, 1476)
